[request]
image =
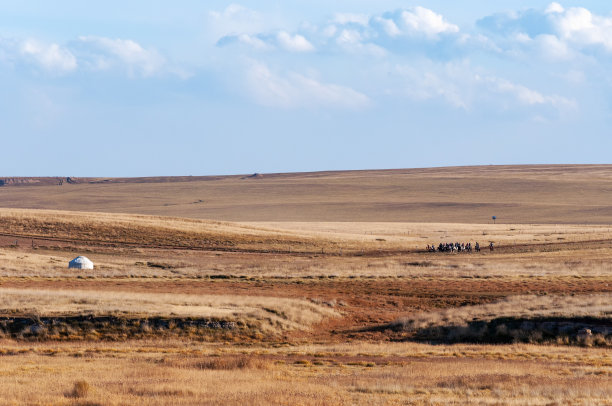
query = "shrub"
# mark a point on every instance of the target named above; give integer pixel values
(80, 389)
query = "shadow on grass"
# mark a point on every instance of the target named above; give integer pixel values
(587, 331)
(118, 328)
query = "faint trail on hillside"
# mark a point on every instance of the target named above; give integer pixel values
(344, 252)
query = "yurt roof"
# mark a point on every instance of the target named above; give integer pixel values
(81, 261)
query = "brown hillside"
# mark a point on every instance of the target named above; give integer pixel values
(515, 194)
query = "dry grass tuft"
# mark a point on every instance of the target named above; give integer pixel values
(80, 389)
(229, 363)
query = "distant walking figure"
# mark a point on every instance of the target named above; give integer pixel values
(477, 247)
(491, 246)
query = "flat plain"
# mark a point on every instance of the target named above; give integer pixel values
(311, 288)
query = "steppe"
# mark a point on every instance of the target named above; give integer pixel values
(309, 288)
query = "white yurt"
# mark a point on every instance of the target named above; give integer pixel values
(81, 263)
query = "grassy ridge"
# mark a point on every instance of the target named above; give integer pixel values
(516, 194)
(536, 319)
(148, 231)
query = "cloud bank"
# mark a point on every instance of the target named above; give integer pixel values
(352, 60)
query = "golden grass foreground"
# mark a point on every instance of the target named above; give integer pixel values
(179, 373)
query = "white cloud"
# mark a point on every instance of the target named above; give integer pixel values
(554, 8)
(294, 43)
(426, 21)
(388, 25)
(351, 18)
(413, 22)
(527, 96)
(558, 33)
(581, 27)
(354, 33)
(266, 42)
(553, 48)
(349, 37)
(107, 53)
(294, 90)
(461, 86)
(353, 42)
(253, 41)
(50, 57)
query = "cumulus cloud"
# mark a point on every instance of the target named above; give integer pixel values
(107, 53)
(353, 41)
(459, 85)
(553, 48)
(508, 25)
(554, 8)
(413, 22)
(355, 33)
(87, 53)
(281, 40)
(582, 28)
(50, 57)
(294, 90)
(387, 26)
(555, 32)
(294, 43)
(422, 20)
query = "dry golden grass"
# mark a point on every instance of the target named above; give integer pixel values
(418, 235)
(379, 374)
(101, 232)
(267, 267)
(559, 319)
(146, 231)
(272, 313)
(164, 265)
(516, 194)
(522, 306)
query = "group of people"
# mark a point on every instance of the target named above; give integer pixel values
(456, 247)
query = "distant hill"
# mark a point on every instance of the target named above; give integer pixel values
(45, 181)
(515, 194)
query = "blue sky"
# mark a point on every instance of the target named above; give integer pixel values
(146, 88)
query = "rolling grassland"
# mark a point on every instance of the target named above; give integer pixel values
(537, 194)
(312, 289)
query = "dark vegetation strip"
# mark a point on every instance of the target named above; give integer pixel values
(587, 331)
(118, 328)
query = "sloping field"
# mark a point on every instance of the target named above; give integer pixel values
(268, 313)
(559, 319)
(147, 231)
(515, 194)
(142, 231)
